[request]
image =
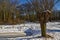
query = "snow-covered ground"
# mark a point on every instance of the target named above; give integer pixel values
(53, 29)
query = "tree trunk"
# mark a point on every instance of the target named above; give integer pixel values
(43, 29)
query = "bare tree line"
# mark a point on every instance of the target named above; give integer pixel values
(8, 11)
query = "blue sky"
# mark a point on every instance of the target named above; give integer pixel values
(57, 6)
(23, 1)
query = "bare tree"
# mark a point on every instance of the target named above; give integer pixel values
(4, 10)
(43, 9)
(8, 10)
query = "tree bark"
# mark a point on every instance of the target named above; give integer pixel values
(43, 29)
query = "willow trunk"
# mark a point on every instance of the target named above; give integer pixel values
(43, 29)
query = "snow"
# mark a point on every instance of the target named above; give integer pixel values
(53, 25)
(53, 29)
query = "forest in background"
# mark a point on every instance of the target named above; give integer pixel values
(12, 12)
